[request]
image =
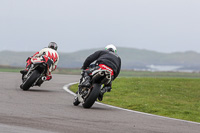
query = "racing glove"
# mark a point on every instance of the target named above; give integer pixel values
(28, 58)
(48, 78)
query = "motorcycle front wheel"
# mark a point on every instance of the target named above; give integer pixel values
(89, 101)
(30, 80)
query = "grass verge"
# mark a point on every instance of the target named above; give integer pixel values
(10, 69)
(171, 97)
(123, 73)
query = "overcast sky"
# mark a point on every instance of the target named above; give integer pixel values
(159, 25)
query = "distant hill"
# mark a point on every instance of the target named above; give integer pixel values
(131, 59)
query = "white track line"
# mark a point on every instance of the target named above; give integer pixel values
(66, 88)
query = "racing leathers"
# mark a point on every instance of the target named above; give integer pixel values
(107, 58)
(52, 62)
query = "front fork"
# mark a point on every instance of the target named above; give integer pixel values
(29, 71)
(80, 99)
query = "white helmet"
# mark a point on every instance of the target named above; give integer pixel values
(111, 47)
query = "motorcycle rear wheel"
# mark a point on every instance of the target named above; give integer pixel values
(89, 101)
(31, 79)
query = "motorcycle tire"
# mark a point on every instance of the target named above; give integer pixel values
(31, 79)
(89, 101)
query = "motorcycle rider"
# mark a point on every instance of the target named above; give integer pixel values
(51, 54)
(107, 58)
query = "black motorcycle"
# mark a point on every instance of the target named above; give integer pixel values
(88, 95)
(35, 75)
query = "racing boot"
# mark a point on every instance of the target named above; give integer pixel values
(86, 82)
(103, 90)
(24, 71)
(100, 97)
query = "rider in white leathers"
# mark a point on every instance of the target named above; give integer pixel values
(51, 54)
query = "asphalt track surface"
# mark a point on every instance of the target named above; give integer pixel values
(49, 109)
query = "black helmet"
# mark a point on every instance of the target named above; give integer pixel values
(53, 45)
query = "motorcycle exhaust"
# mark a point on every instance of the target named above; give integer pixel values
(108, 77)
(43, 78)
(106, 80)
(107, 72)
(97, 76)
(101, 73)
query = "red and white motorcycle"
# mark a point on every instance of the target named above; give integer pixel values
(36, 74)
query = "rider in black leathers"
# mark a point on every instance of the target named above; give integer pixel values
(107, 57)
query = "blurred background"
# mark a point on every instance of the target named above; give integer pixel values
(150, 35)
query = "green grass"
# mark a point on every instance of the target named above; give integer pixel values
(10, 70)
(57, 71)
(129, 73)
(123, 73)
(171, 97)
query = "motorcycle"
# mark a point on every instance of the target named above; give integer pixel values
(36, 73)
(88, 95)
